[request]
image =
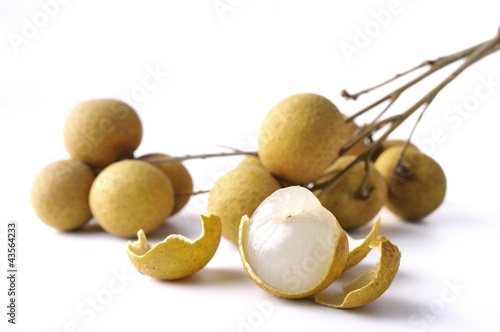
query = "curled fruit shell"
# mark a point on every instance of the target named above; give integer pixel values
(358, 249)
(177, 256)
(371, 284)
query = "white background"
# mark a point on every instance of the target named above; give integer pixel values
(218, 75)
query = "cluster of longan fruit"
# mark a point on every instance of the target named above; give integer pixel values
(102, 178)
(299, 144)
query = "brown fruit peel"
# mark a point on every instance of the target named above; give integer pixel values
(371, 284)
(177, 256)
(359, 248)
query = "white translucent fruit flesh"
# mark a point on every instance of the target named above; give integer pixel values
(292, 246)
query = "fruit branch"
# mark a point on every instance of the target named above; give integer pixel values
(434, 65)
(470, 56)
(489, 47)
(235, 152)
(368, 130)
(407, 142)
(355, 96)
(192, 193)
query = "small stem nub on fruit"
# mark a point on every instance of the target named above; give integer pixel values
(363, 192)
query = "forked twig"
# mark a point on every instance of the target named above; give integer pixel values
(470, 56)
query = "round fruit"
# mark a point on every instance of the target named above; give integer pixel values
(416, 187)
(130, 195)
(102, 131)
(178, 175)
(251, 161)
(388, 144)
(292, 247)
(237, 193)
(59, 194)
(352, 207)
(300, 137)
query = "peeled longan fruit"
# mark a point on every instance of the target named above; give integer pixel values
(350, 131)
(177, 174)
(417, 187)
(59, 194)
(102, 131)
(237, 193)
(300, 137)
(292, 247)
(343, 198)
(130, 195)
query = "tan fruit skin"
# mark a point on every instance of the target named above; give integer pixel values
(300, 137)
(177, 257)
(341, 197)
(59, 194)
(388, 144)
(417, 193)
(237, 193)
(130, 195)
(360, 248)
(178, 175)
(102, 131)
(251, 161)
(371, 284)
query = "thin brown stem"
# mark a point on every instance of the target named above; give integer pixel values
(355, 96)
(363, 192)
(193, 193)
(367, 130)
(362, 156)
(201, 156)
(471, 56)
(407, 142)
(434, 65)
